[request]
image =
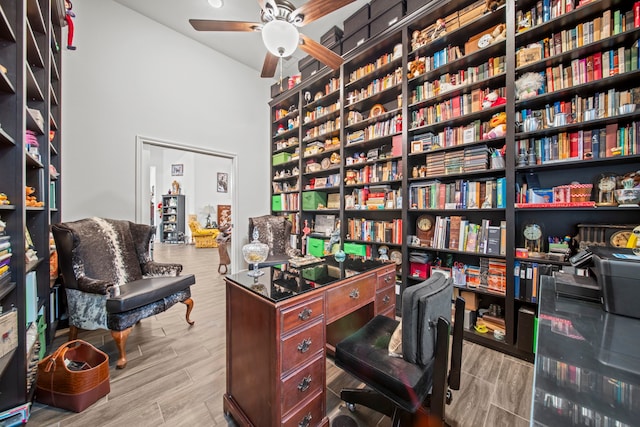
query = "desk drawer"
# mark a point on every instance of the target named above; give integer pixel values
(302, 346)
(386, 278)
(385, 299)
(303, 314)
(350, 296)
(311, 414)
(303, 383)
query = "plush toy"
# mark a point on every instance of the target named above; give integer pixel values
(498, 124)
(492, 5)
(4, 200)
(382, 253)
(528, 84)
(416, 67)
(493, 100)
(440, 29)
(31, 200)
(69, 15)
(350, 177)
(499, 33)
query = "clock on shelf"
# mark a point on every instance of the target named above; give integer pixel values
(532, 234)
(620, 238)
(425, 228)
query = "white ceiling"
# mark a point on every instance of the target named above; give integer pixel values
(246, 48)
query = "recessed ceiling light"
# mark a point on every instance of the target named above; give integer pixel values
(215, 3)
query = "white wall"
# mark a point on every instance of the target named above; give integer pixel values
(131, 76)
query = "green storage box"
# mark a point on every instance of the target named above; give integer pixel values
(315, 272)
(281, 158)
(42, 336)
(311, 199)
(276, 202)
(315, 246)
(355, 249)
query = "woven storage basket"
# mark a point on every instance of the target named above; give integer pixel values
(74, 390)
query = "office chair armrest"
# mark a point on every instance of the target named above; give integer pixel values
(93, 286)
(153, 268)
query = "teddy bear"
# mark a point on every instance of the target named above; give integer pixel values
(493, 100)
(498, 124)
(492, 5)
(350, 177)
(31, 200)
(4, 199)
(499, 33)
(416, 67)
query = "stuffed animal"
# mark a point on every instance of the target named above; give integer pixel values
(382, 253)
(528, 85)
(350, 177)
(499, 33)
(493, 100)
(4, 200)
(492, 5)
(498, 124)
(31, 200)
(416, 67)
(440, 29)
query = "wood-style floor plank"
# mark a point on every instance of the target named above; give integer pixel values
(176, 373)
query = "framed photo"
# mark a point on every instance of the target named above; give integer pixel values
(177, 169)
(223, 182)
(224, 215)
(416, 146)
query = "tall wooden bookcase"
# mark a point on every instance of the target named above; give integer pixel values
(372, 112)
(30, 115)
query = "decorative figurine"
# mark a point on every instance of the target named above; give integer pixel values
(69, 15)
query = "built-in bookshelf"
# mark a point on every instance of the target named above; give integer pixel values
(30, 170)
(438, 132)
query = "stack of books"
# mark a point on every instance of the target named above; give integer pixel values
(5, 259)
(476, 158)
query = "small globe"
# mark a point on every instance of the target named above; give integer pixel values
(340, 256)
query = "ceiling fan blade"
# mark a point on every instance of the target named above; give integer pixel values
(316, 9)
(269, 66)
(208, 25)
(263, 5)
(320, 52)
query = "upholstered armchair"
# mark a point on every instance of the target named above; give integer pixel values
(275, 232)
(110, 280)
(203, 237)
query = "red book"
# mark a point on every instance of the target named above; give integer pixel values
(597, 66)
(636, 14)
(573, 144)
(455, 102)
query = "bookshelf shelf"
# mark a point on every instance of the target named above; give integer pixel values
(493, 81)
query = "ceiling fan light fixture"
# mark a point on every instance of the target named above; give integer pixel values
(216, 3)
(280, 37)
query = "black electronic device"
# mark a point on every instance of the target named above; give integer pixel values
(580, 287)
(582, 258)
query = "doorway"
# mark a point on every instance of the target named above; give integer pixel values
(205, 177)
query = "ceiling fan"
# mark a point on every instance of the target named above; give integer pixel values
(279, 28)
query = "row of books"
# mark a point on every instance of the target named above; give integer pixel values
(546, 10)
(461, 194)
(457, 106)
(458, 233)
(471, 159)
(450, 137)
(582, 109)
(441, 58)
(375, 86)
(281, 113)
(371, 67)
(329, 181)
(489, 276)
(376, 130)
(379, 172)
(450, 81)
(611, 141)
(374, 197)
(601, 27)
(321, 111)
(375, 231)
(612, 391)
(591, 68)
(322, 129)
(294, 219)
(526, 276)
(5, 260)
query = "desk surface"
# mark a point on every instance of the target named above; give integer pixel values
(587, 369)
(278, 284)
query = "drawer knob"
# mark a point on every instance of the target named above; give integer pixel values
(386, 299)
(354, 294)
(305, 314)
(387, 279)
(306, 421)
(304, 346)
(305, 383)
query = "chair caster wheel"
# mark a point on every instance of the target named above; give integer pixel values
(351, 407)
(449, 397)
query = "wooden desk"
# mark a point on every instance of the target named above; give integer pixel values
(280, 327)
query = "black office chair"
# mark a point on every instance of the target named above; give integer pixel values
(416, 385)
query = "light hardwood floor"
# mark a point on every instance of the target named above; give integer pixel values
(176, 374)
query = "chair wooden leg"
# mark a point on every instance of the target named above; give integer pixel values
(120, 337)
(73, 333)
(189, 303)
